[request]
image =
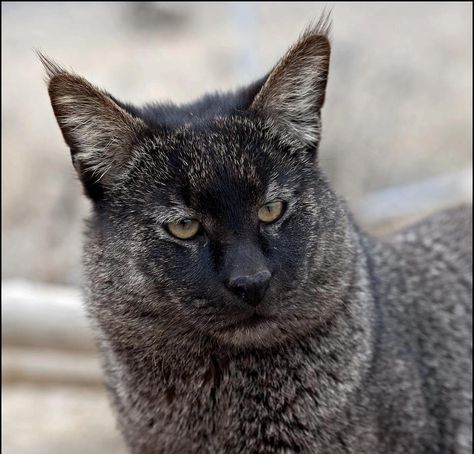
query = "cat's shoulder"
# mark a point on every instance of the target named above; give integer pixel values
(429, 260)
(445, 235)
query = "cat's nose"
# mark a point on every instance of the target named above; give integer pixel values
(251, 288)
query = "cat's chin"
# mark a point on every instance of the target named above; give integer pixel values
(255, 331)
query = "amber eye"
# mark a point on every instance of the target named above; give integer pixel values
(270, 212)
(185, 229)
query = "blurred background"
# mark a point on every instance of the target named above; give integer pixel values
(397, 141)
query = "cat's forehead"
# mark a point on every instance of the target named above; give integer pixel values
(223, 149)
(226, 165)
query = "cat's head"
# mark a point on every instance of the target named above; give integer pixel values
(210, 219)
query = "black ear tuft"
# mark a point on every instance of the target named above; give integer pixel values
(50, 66)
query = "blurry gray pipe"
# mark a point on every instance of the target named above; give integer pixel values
(415, 199)
(44, 316)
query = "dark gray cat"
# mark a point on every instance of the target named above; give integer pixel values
(238, 307)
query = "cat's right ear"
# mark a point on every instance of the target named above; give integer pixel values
(293, 93)
(100, 134)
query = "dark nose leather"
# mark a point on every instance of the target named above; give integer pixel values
(251, 288)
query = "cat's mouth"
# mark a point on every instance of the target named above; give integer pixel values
(254, 320)
(253, 330)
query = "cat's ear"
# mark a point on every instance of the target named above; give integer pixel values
(100, 133)
(294, 92)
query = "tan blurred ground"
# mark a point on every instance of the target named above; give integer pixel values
(54, 419)
(398, 110)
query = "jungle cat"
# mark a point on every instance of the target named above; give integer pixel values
(238, 306)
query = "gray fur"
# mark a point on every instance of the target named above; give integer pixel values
(363, 345)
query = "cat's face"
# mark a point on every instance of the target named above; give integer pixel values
(215, 224)
(221, 180)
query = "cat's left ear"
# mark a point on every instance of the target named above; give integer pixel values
(100, 133)
(293, 94)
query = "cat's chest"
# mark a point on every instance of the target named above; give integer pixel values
(237, 412)
(227, 406)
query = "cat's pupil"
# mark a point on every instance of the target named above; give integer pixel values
(186, 224)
